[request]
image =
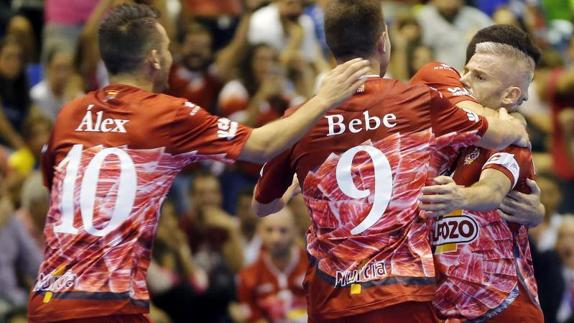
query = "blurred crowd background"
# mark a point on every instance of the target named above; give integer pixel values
(250, 60)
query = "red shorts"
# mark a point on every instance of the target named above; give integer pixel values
(408, 312)
(521, 310)
(130, 318)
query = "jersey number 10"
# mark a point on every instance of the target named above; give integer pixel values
(127, 186)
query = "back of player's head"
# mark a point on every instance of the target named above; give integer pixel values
(126, 37)
(505, 34)
(353, 27)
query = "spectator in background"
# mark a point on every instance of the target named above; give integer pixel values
(60, 84)
(565, 248)
(20, 256)
(215, 238)
(175, 280)
(448, 26)
(248, 223)
(34, 203)
(566, 121)
(259, 95)
(272, 287)
(200, 73)
(64, 22)
(284, 27)
(14, 92)
(544, 234)
(195, 77)
(558, 90)
(406, 36)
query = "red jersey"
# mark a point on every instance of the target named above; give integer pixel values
(367, 253)
(271, 294)
(477, 253)
(110, 161)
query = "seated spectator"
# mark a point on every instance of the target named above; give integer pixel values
(194, 76)
(215, 239)
(14, 92)
(272, 287)
(448, 26)
(174, 279)
(64, 22)
(20, 257)
(34, 203)
(260, 95)
(60, 84)
(248, 221)
(565, 248)
(544, 234)
(284, 27)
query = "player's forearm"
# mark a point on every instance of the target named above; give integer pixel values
(268, 141)
(486, 194)
(502, 133)
(478, 109)
(481, 198)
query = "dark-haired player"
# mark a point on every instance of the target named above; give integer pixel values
(362, 168)
(484, 262)
(112, 157)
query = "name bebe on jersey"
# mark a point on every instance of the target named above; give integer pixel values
(337, 124)
(101, 124)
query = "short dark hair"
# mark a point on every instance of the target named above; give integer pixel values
(505, 34)
(126, 36)
(353, 27)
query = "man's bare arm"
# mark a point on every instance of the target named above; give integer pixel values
(484, 195)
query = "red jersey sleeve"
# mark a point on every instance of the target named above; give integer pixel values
(444, 79)
(515, 163)
(276, 177)
(447, 118)
(194, 129)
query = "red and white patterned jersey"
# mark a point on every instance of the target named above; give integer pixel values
(110, 161)
(367, 253)
(478, 253)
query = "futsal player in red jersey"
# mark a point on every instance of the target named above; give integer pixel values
(362, 169)
(112, 157)
(484, 262)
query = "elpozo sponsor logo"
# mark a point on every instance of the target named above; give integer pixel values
(452, 230)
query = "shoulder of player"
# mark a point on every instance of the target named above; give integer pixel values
(430, 71)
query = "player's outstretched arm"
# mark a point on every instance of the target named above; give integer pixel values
(523, 208)
(504, 131)
(485, 195)
(268, 141)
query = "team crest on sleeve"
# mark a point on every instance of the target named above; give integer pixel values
(469, 158)
(471, 115)
(459, 91)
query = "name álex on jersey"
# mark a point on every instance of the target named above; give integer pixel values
(227, 129)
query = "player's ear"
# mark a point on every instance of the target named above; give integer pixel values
(154, 59)
(511, 96)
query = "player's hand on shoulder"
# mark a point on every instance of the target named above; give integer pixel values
(516, 124)
(443, 197)
(343, 81)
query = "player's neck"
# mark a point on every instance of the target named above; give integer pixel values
(375, 66)
(132, 80)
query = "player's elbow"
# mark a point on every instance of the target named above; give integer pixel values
(262, 210)
(258, 149)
